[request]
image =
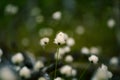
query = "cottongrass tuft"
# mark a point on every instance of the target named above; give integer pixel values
(25, 72)
(93, 58)
(44, 41)
(17, 58)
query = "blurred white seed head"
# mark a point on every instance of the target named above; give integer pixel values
(70, 42)
(1, 52)
(17, 58)
(39, 19)
(104, 67)
(102, 73)
(11, 9)
(93, 59)
(25, 72)
(80, 30)
(38, 65)
(42, 78)
(58, 78)
(94, 50)
(7, 74)
(68, 58)
(57, 15)
(60, 38)
(66, 49)
(25, 41)
(114, 61)
(44, 41)
(74, 72)
(45, 32)
(85, 50)
(66, 70)
(74, 78)
(111, 23)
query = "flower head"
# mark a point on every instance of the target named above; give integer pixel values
(93, 59)
(69, 58)
(42, 78)
(70, 42)
(25, 72)
(18, 58)
(57, 15)
(60, 38)
(114, 61)
(102, 73)
(94, 50)
(58, 78)
(66, 70)
(85, 50)
(111, 23)
(38, 65)
(44, 41)
(11, 9)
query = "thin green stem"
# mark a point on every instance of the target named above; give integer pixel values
(56, 62)
(83, 73)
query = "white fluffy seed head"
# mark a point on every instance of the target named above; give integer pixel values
(1, 52)
(74, 78)
(85, 50)
(46, 32)
(74, 72)
(18, 58)
(57, 15)
(25, 72)
(70, 42)
(94, 50)
(7, 74)
(111, 23)
(93, 59)
(80, 30)
(60, 38)
(102, 73)
(42, 78)
(68, 58)
(66, 70)
(114, 61)
(104, 67)
(11, 9)
(38, 65)
(58, 78)
(66, 49)
(44, 41)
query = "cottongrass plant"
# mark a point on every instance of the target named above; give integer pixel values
(11, 9)
(23, 66)
(60, 39)
(102, 72)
